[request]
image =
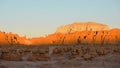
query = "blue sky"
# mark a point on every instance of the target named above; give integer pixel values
(40, 17)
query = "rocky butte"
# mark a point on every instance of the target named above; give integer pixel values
(72, 34)
(82, 26)
(89, 45)
(81, 33)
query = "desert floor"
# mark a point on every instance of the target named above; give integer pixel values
(109, 60)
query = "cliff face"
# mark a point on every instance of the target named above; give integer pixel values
(3, 38)
(78, 37)
(81, 33)
(12, 39)
(81, 37)
(72, 34)
(82, 26)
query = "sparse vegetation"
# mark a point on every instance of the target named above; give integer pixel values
(41, 53)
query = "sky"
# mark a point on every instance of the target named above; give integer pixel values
(34, 18)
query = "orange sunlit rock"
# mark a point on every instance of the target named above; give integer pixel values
(83, 37)
(100, 34)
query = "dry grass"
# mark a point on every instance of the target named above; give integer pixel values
(45, 53)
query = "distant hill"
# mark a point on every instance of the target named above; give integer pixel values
(71, 34)
(81, 33)
(81, 37)
(82, 26)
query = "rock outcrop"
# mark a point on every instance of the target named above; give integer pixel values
(72, 34)
(3, 38)
(80, 37)
(12, 39)
(82, 26)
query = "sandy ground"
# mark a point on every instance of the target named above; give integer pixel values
(106, 61)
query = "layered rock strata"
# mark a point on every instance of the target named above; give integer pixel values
(82, 26)
(80, 37)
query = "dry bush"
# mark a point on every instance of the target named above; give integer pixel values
(41, 53)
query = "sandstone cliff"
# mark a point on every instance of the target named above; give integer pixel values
(12, 39)
(80, 33)
(80, 37)
(82, 26)
(72, 34)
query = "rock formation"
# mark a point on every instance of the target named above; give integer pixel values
(82, 26)
(3, 38)
(72, 34)
(13, 39)
(80, 37)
